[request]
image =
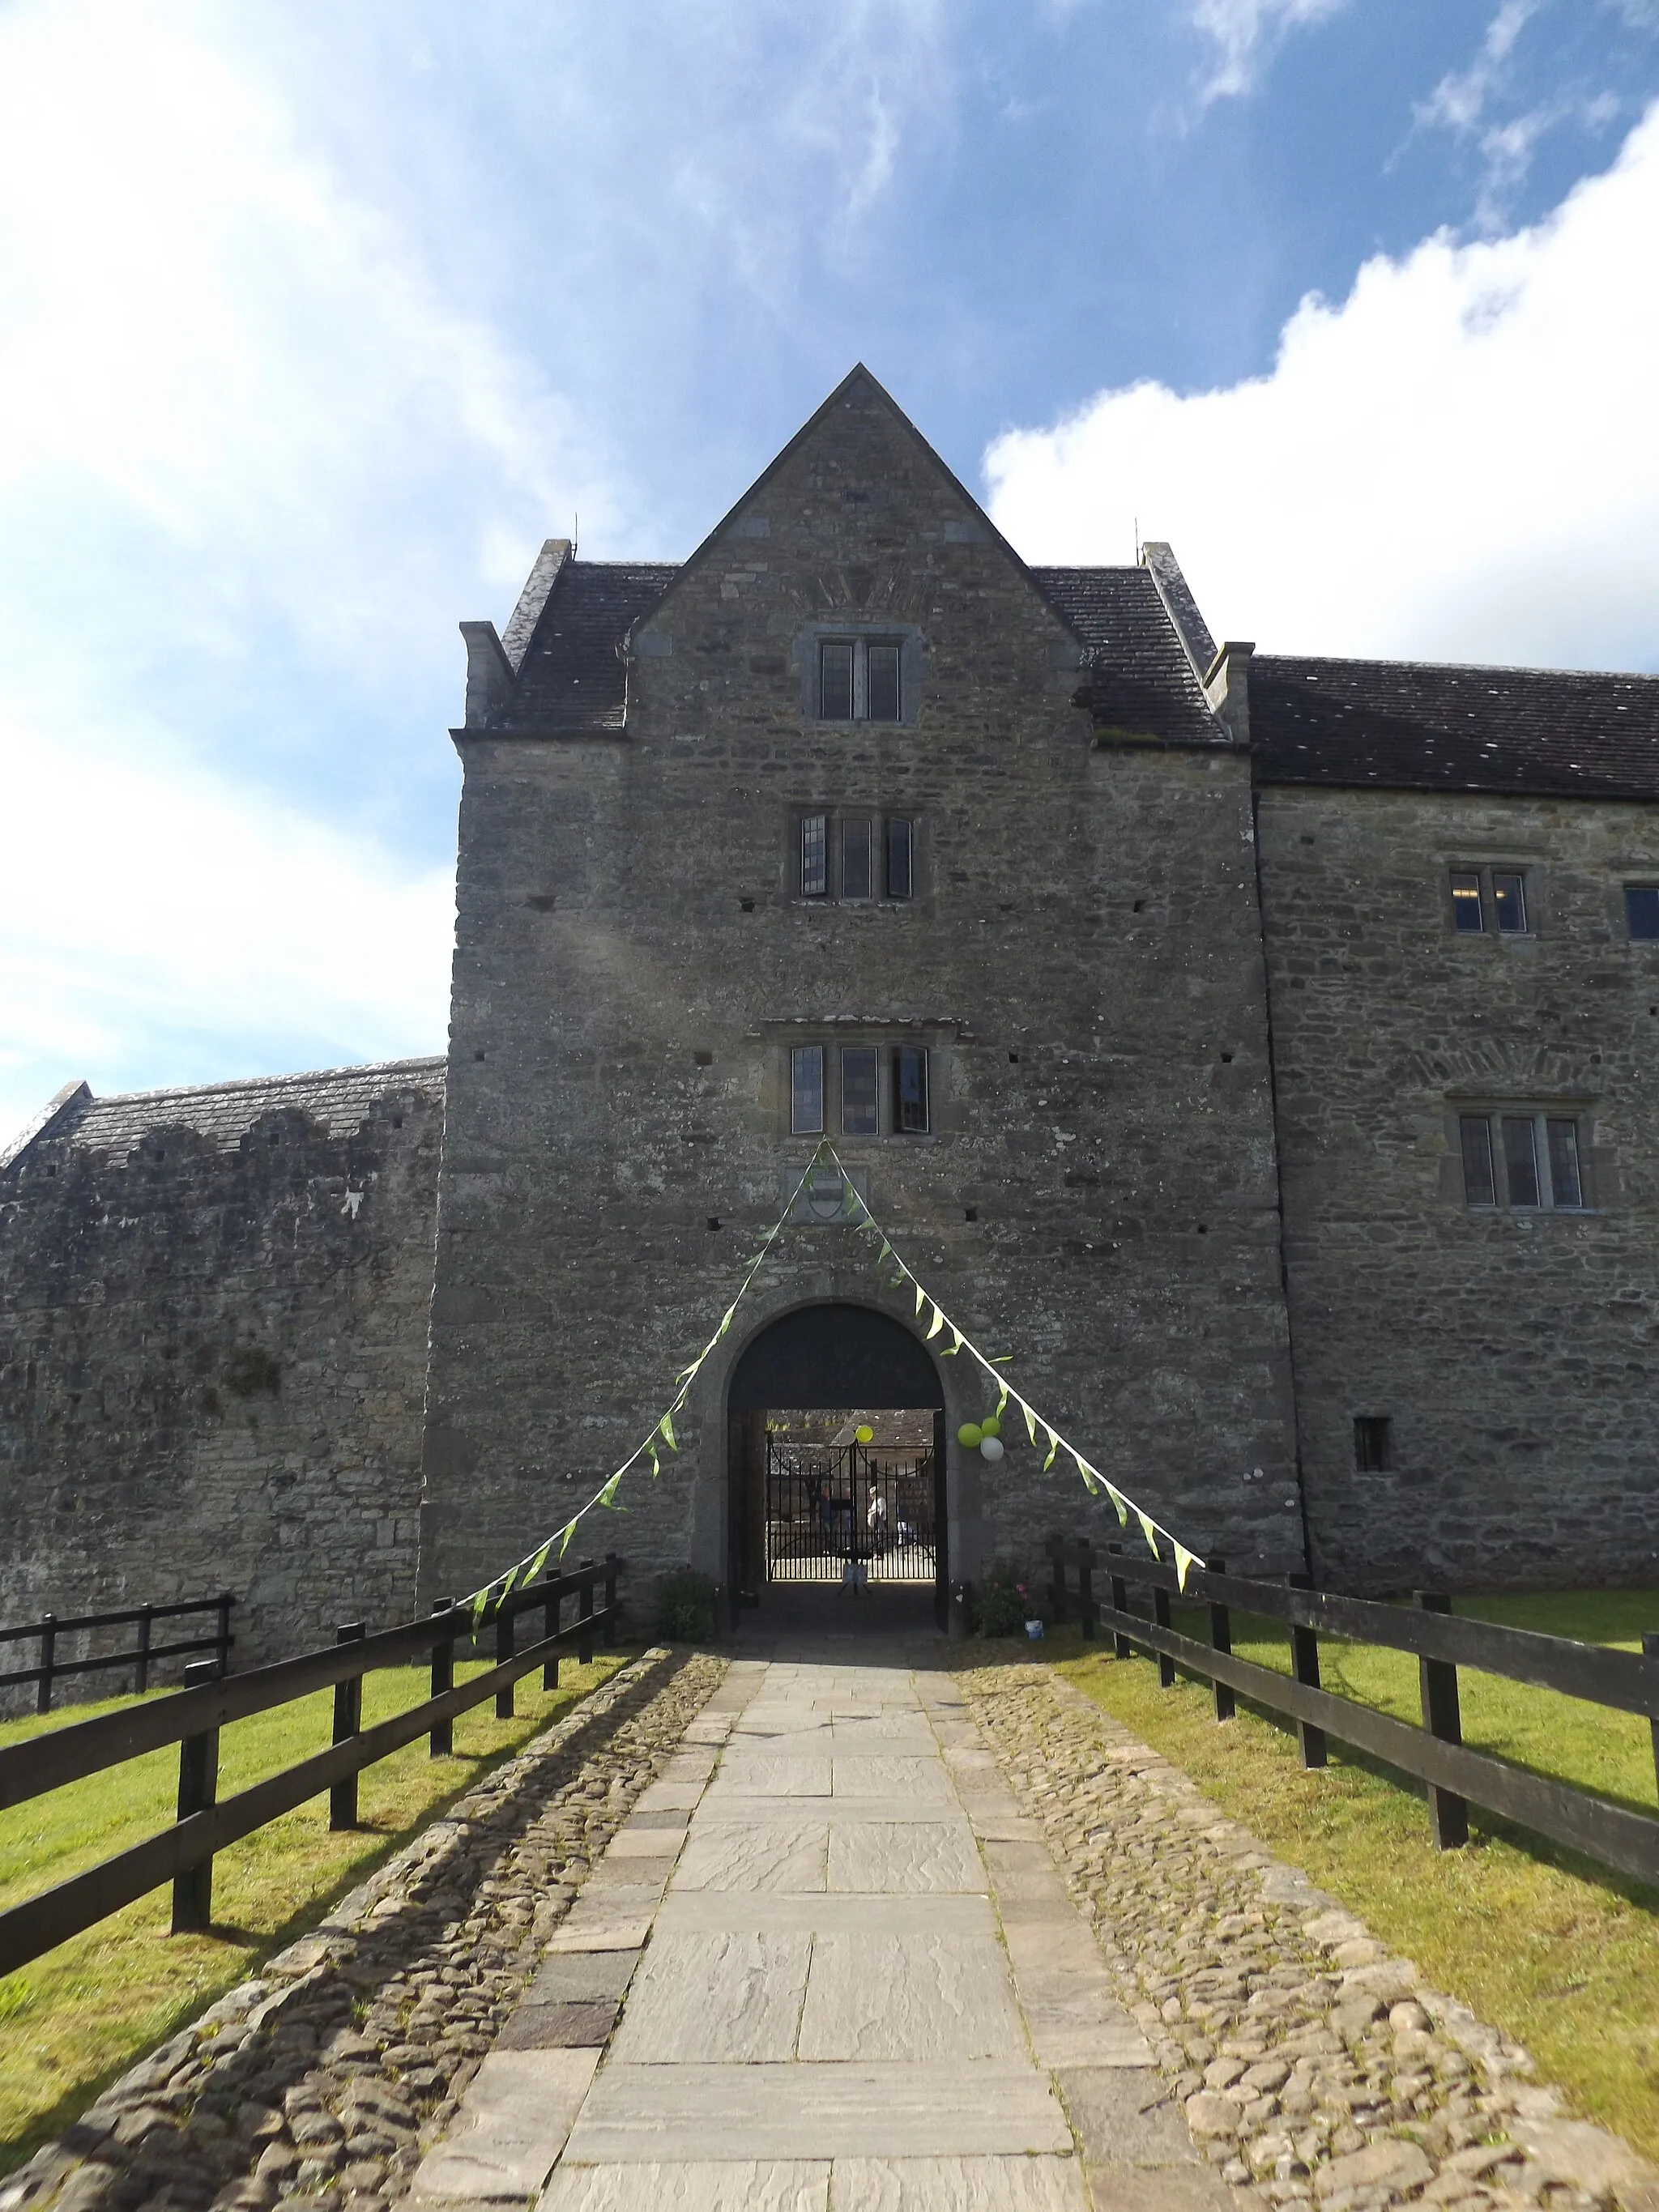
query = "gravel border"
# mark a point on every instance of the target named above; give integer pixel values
(323, 2081)
(1314, 2067)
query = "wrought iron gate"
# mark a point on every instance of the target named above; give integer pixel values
(828, 1506)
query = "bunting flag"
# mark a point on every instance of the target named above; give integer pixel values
(482, 1601)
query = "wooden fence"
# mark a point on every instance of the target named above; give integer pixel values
(1441, 1641)
(50, 1668)
(192, 1717)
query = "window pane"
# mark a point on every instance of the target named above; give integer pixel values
(900, 870)
(806, 1090)
(1642, 908)
(910, 1089)
(1567, 1186)
(881, 677)
(836, 682)
(857, 868)
(814, 855)
(1520, 1158)
(1478, 1187)
(1509, 898)
(858, 1091)
(1371, 1444)
(1466, 902)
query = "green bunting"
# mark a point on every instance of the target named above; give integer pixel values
(857, 1212)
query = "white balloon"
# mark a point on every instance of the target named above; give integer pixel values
(990, 1448)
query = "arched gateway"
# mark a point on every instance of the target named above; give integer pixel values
(815, 1505)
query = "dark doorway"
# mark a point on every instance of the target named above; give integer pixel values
(830, 1507)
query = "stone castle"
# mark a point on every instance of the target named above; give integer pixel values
(1259, 1049)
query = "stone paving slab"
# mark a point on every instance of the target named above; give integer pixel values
(958, 2184)
(514, 2120)
(842, 1807)
(779, 1854)
(713, 2185)
(907, 1996)
(721, 1996)
(758, 1775)
(827, 1914)
(956, 2107)
(904, 1857)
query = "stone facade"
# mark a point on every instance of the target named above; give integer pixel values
(1513, 1354)
(213, 1351)
(635, 962)
(1176, 937)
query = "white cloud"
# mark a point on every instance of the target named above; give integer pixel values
(150, 913)
(1246, 32)
(1461, 460)
(266, 466)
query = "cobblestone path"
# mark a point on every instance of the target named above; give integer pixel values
(827, 1962)
(850, 1931)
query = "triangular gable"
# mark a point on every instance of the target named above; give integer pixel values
(860, 376)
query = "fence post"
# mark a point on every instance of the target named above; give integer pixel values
(1449, 1814)
(198, 1789)
(612, 1569)
(225, 1601)
(505, 1641)
(550, 1627)
(441, 1743)
(585, 1615)
(1122, 1647)
(48, 1655)
(141, 1669)
(1304, 1664)
(1086, 1589)
(1166, 1674)
(1221, 1639)
(348, 1720)
(1650, 1650)
(1056, 1550)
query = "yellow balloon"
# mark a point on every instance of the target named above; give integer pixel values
(865, 1436)
(992, 1427)
(969, 1434)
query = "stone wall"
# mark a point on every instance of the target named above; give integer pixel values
(633, 966)
(213, 1321)
(1513, 1354)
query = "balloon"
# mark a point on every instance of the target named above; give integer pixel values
(969, 1434)
(865, 1436)
(991, 1448)
(990, 1426)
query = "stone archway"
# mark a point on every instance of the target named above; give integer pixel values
(835, 1353)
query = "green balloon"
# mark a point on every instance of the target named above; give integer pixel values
(990, 1427)
(969, 1434)
(865, 1436)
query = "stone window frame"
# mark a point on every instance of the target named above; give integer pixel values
(1632, 880)
(1593, 1180)
(886, 1039)
(855, 631)
(1486, 868)
(834, 816)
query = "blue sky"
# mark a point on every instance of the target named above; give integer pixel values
(314, 321)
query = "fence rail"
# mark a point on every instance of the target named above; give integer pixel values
(51, 1625)
(192, 1717)
(1442, 1641)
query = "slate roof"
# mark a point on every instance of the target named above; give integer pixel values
(340, 1099)
(570, 677)
(1416, 726)
(1144, 683)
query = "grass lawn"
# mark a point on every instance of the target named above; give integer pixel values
(1561, 1953)
(72, 2021)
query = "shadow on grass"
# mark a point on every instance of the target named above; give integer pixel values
(255, 1948)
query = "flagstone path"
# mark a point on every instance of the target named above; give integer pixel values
(826, 1963)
